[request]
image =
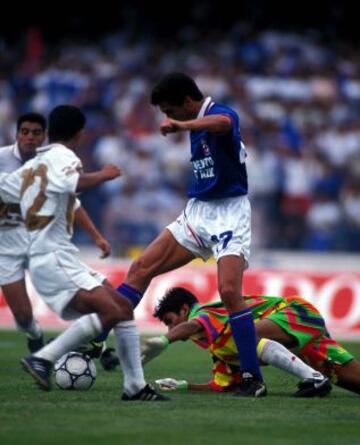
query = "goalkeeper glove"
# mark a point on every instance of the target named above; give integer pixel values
(153, 347)
(170, 384)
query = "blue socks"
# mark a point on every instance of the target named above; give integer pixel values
(131, 294)
(243, 330)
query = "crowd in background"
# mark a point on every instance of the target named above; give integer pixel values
(299, 104)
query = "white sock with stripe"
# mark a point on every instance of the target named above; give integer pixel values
(275, 354)
(128, 349)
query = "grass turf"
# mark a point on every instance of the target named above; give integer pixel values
(30, 416)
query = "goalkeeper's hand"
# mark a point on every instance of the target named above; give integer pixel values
(153, 347)
(170, 384)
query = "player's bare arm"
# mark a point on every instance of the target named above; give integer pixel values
(184, 331)
(217, 123)
(84, 221)
(107, 173)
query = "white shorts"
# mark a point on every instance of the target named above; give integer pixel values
(13, 254)
(58, 276)
(219, 228)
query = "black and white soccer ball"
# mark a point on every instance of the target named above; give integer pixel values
(75, 370)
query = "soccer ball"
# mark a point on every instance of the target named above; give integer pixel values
(75, 370)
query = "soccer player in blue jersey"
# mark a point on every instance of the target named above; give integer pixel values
(216, 220)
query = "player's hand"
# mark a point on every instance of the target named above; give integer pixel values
(170, 126)
(153, 347)
(110, 171)
(104, 246)
(170, 384)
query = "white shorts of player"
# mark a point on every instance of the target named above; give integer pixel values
(58, 276)
(215, 228)
(13, 254)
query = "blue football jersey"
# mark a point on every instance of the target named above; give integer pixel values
(218, 160)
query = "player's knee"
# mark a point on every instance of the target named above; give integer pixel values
(120, 309)
(229, 294)
(125, 309)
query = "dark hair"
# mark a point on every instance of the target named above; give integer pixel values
(36, 118)
(173, 301)
(64, 122)
(173, 88)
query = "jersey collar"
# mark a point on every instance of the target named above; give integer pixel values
(208, 103)
(45, 148)
(16, 151)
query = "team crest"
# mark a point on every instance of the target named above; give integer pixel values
(205, 147)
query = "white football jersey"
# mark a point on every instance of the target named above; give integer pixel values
(14, 238)
(45, 188)
(10, 214)
(10, 158)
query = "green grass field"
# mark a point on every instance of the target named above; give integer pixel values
(30, 416)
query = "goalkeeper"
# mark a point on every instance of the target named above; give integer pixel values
(282, 323)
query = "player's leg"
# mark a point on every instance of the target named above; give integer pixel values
(62, 281)
(127, 340)
(128, 349)
(93, 302)
(266, 328)
(348, 376)
(112, 310)
(271, 350)
(230, 271)
(19, 303)
(295, 325)
(328, 356)
(104, 312)
(71, 289)
(97, 347)
(162, 255)
(176, 246)
(126, 335)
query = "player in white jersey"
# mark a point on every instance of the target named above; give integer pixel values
(45, 187)
(14, 238)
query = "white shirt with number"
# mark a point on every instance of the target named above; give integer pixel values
(45, 188)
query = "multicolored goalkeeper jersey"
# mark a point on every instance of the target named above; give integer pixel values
(294, 315)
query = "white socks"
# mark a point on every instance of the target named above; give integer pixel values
(128, 348)
(32, 330)
(277, 355)
(81, 331)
